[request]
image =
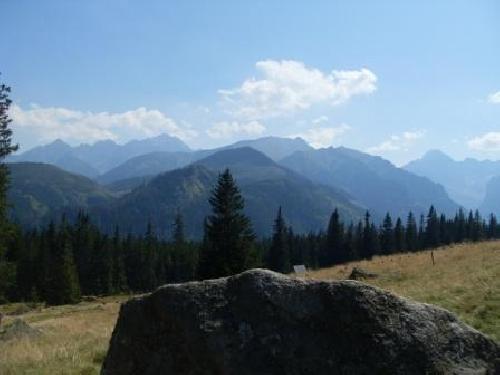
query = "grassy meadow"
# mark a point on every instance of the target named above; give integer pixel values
(73, 339)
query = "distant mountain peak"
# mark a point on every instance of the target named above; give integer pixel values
(247, 156)
(274, 147)
(435, 154)
(58, 142)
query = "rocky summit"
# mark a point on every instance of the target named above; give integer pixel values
(261, 322)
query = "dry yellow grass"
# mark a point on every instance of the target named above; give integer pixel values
(74, 339)
(464, 280)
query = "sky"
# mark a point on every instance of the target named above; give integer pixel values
(390, 78)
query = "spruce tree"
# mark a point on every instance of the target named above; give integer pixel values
(63, 284)
(334, 252)
(369, 238)
(432, 239)
(229, 233)
(178, 230)
(399, 236)
(7, 268)
(387, 235)
(279, 255)
(411, 233)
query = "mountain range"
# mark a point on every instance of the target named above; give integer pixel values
(152, 179)
(93, 160)
(465, 181)
(372, 181)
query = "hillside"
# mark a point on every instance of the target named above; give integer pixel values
(154, 163)
(150, 164)
(373, 182)
(491, 202)
(41, 192)
(265, 186)
(464, 280)
(464, 180)
(275, 148)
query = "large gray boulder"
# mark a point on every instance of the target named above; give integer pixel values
(261, 322)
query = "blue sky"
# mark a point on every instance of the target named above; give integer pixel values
(389, 77)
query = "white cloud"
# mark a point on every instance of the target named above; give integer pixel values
(486, 142)
(225, 129)
(287, 86)
(320, 137)
(320, 120)
(397, 142)
(78, 126)
(494, 98)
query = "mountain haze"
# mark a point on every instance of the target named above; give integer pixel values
(465, 180)
(265, 186)
(373, 182)
(97, 158)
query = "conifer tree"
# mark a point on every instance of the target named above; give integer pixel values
(432, 239)
(492, 226)
(411, 233)
(279, 254)
(460, 226)
(229, 232)
(119, 275)
(399, 236)
(444, 233)
(369, 238)
(178, 230)
(7, 268)
(63, 284)
(387, 235)
(333, 252)
(350, 244)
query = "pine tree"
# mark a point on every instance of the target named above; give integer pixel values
(279, 254)
(399, 236)
(7, 269)
(369, 239)
(387, 235)
(492, 227)
(63, 284)
(432, 239)
(444, 233)
(183, 254)
(350, 244)
(119, 275)
(178, 230)
(229, 232)
(411, 234)
(334, 252)
(148, 266)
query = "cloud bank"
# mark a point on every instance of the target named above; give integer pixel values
(399, 142)
(225, 129)
(79, 126)
(288, 86)
(494, 98)
(321, 137)
(486, 142)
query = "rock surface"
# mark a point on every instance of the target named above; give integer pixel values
(260, 322)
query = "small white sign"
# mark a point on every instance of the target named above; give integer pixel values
(299, 269)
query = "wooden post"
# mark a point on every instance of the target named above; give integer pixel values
(432, 257)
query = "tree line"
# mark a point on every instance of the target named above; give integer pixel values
(62, 262)
(65, 260)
